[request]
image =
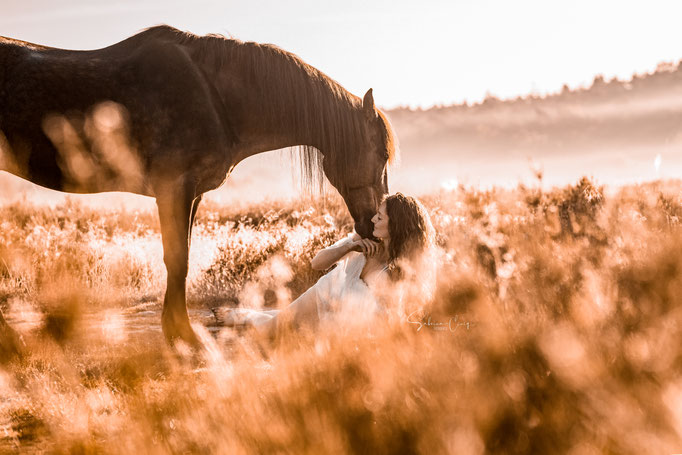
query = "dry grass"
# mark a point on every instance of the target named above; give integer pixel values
(559, 309)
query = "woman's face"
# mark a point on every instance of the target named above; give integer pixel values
(380, 221)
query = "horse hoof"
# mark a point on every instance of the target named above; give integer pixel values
(183, 337)
(175, 332)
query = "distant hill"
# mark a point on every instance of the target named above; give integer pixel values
(612, 129)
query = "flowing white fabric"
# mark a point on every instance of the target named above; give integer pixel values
(342, 295)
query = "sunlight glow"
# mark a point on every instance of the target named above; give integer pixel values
(412, 54)
(657, 163)
(449, 185)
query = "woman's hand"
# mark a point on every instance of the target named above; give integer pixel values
(366, 246)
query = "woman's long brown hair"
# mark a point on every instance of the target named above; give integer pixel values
(410, 230)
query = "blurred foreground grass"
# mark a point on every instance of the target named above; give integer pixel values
(554, 328)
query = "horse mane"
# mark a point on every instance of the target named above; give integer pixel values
(332, 114)
(390, 139)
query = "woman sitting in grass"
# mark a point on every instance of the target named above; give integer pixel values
(363, 267)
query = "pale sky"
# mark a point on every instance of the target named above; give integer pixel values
(412, 53)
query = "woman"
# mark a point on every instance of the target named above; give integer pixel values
(362, 267)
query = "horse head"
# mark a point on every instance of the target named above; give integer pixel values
(364, 182)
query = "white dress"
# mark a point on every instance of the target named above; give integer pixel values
(341, 294)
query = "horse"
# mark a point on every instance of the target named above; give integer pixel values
(169, 114)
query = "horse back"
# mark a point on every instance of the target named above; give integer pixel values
(170, 108)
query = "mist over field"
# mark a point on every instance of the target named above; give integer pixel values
(613, 130)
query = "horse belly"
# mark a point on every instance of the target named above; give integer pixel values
(63, 169)
(33, 161)
(66, 159)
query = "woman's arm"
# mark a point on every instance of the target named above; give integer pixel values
(329, 256)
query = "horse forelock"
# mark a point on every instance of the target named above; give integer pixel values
(325, 111)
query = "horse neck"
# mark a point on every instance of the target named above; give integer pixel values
(314, 124)
(266, 117)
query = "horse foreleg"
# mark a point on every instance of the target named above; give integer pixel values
(193, 214)
(175, 213)
(10, 342)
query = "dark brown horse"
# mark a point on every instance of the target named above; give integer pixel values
(169, 114)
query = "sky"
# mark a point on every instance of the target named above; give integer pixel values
(415, 54)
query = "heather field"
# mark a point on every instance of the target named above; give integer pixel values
(553, 326)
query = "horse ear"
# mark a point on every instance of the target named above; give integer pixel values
(368, 105)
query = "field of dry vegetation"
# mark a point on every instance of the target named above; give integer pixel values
(554, 327)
